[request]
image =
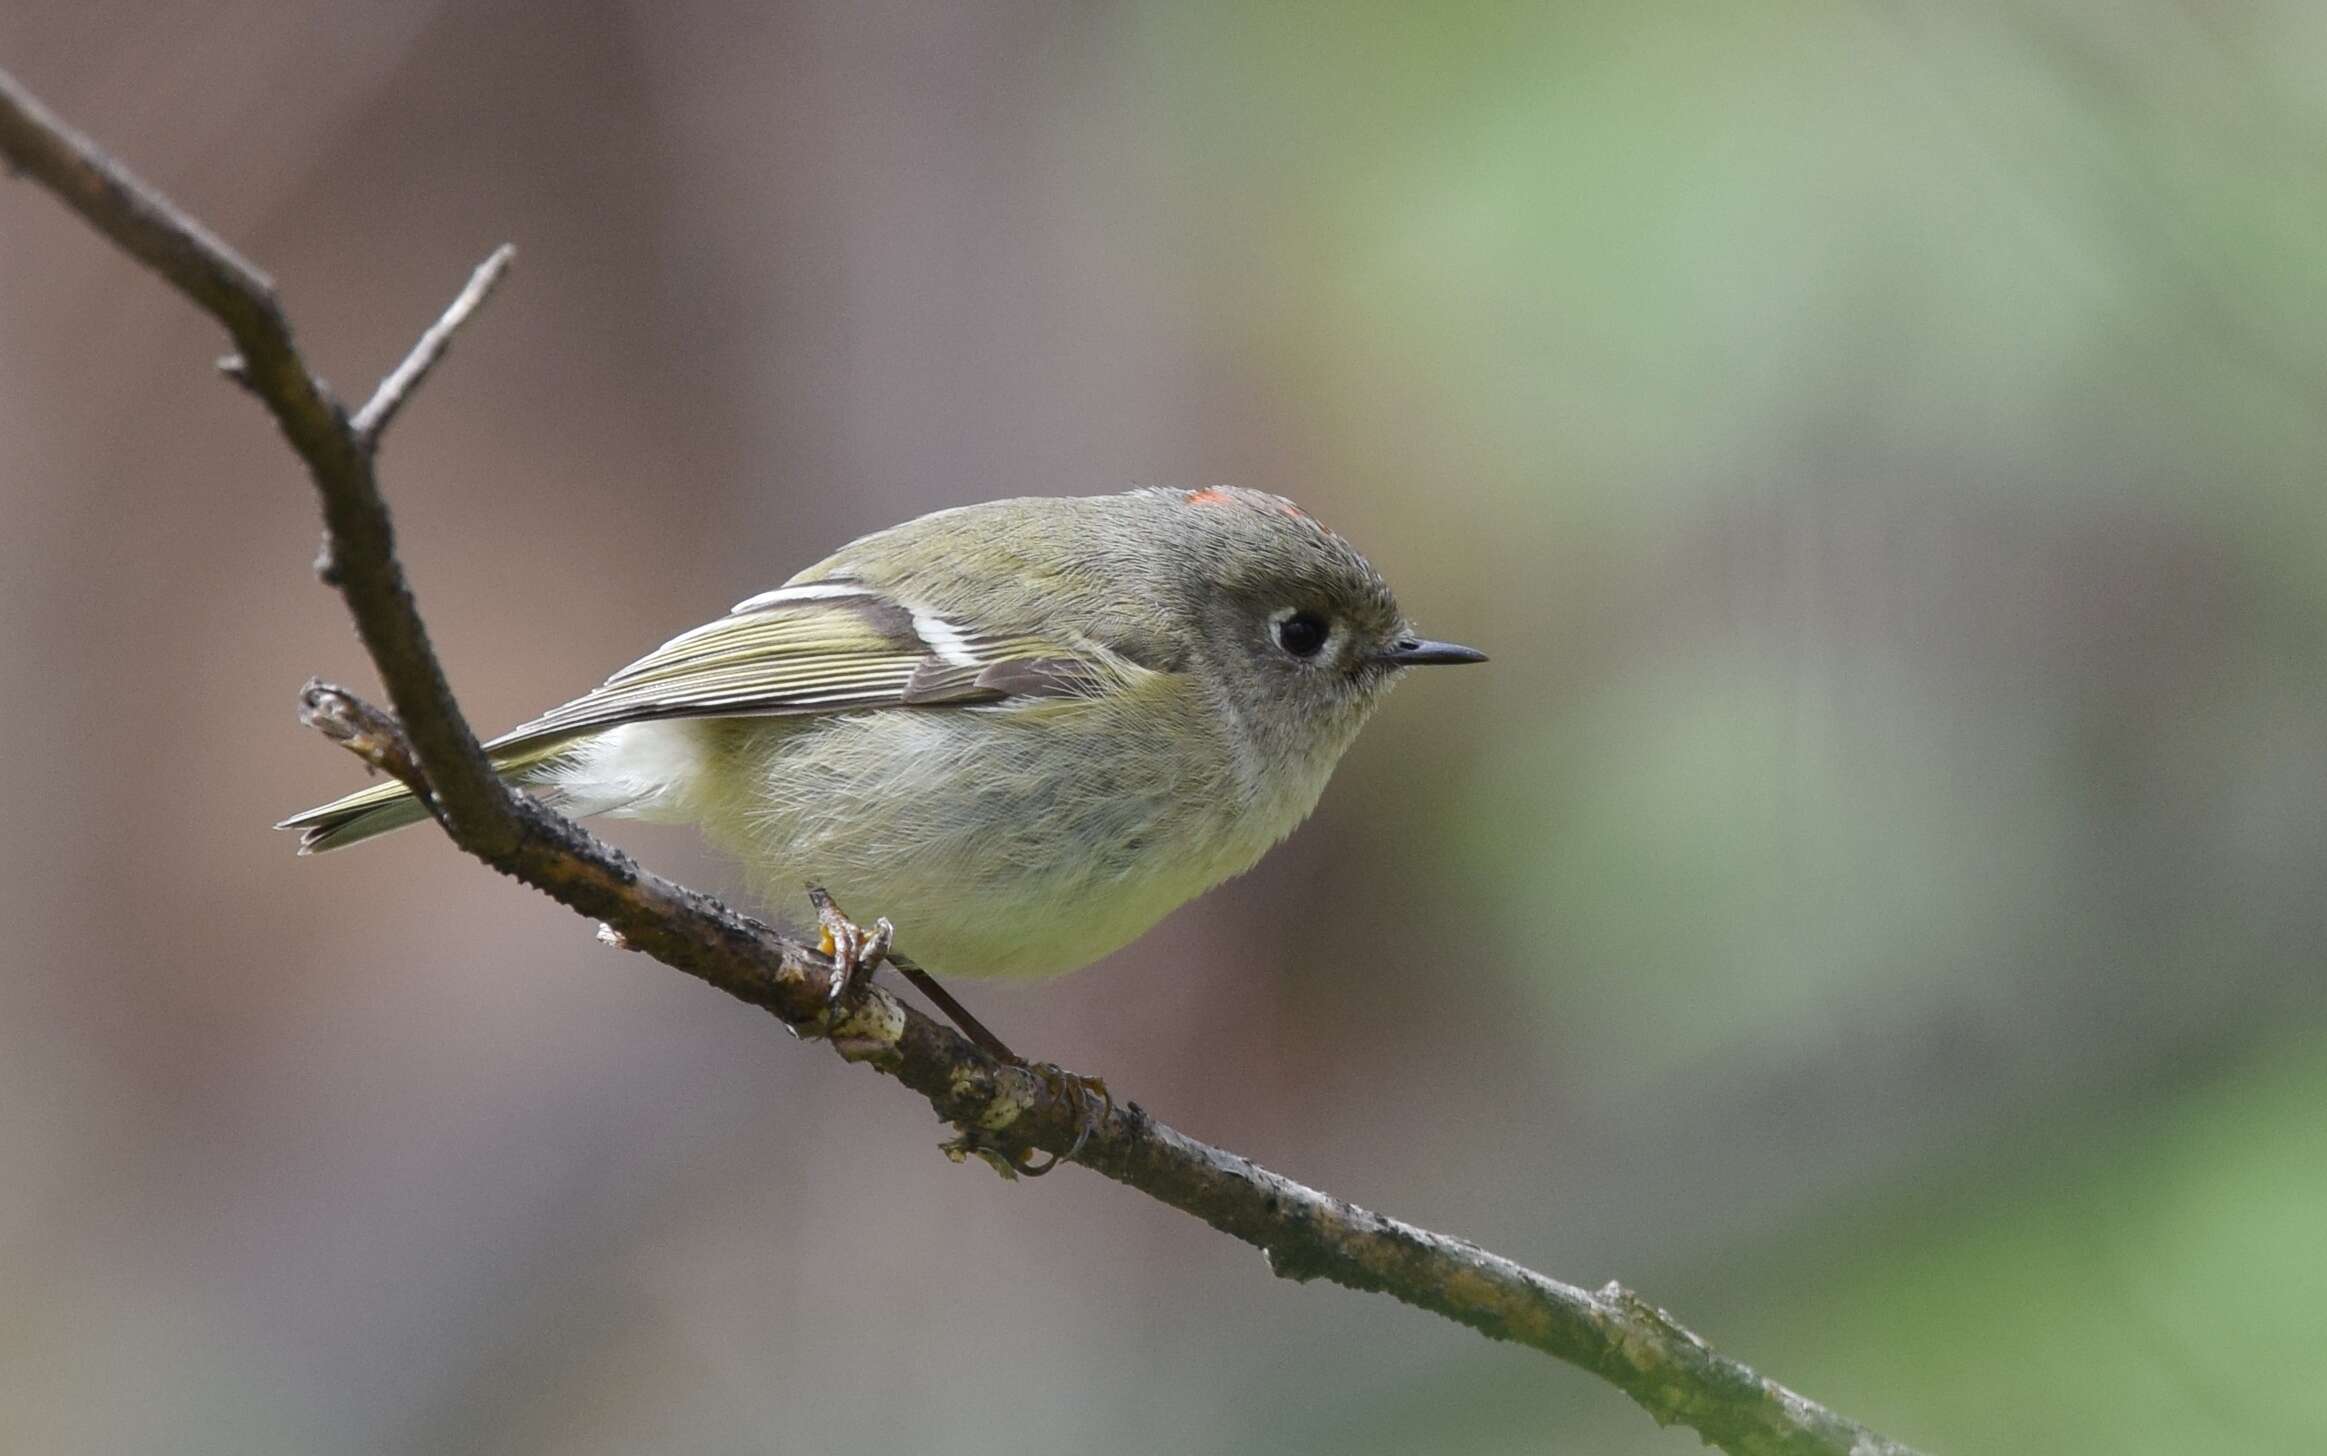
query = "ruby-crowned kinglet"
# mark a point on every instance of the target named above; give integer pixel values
(1024, 730)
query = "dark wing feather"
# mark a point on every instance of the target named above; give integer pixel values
(825, 647)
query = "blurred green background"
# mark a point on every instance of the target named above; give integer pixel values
(1871, 905)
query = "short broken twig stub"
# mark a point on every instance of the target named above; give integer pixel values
(371, 734)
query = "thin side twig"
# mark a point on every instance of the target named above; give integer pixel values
(372, 420)
(1305, 1233)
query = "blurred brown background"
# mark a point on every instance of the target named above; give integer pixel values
(1871, 904)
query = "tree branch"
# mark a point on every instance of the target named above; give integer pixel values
(1306, 1234)
(372, 420)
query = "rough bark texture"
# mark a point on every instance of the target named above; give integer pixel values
(999, 1109)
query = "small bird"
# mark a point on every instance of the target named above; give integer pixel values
(1026, 730)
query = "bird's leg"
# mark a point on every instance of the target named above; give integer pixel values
(1088, 1096)
(955, 1012)
(856, 953)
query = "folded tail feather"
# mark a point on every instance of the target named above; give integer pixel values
(356, 818)
(369, 813)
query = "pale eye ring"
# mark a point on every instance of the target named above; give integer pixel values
(1301, 634)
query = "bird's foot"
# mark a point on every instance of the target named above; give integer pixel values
(1087, 1097)
(854, 951)
(1089, 1100)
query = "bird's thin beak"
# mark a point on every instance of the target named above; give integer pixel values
(1414, 652)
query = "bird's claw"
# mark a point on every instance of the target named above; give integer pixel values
(1091, 1102)
(855, 952)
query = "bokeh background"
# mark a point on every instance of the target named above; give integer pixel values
(1872, 904)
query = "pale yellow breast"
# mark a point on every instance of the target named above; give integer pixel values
(1000, 842)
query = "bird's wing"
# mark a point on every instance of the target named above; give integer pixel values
(826, 647)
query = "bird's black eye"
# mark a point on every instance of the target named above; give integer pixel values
(1302, 634)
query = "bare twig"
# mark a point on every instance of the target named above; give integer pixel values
(372, 420)
(1306, 1234)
